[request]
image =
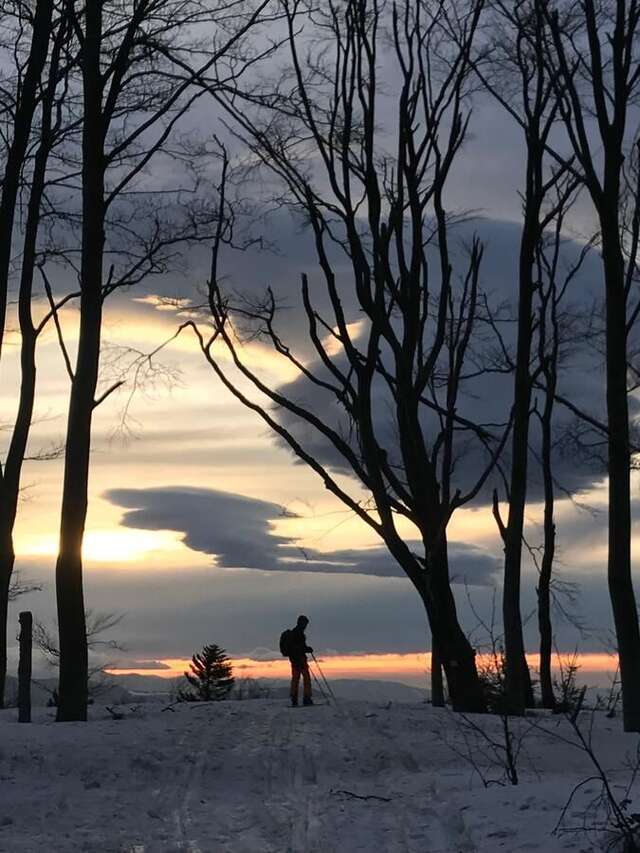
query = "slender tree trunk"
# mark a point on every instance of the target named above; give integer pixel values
(28, 339)
(12, 175)
(11, 485)
(544, 581)
(69, 585)
(549, 546)
(621, 589)
(6, 569)
(518, 681)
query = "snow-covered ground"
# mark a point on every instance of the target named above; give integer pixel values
(254, 776)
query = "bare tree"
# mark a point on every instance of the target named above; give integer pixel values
(592, 53)
(99, 625)
(514, 71)
(382, 389)
(557, 331)
(19, 586)
(133, 91)
(30, 103)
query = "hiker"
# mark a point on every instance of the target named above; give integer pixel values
(296, 648)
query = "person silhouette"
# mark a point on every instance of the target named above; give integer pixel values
(297, 648)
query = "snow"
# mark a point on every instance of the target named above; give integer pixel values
(257, 776)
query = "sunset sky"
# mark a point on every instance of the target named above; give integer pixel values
(201, 529)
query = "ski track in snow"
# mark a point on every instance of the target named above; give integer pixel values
(259, 777)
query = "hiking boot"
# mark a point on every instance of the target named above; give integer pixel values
(294, 701)
(307, 701)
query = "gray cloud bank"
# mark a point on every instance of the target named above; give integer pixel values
(487, 398)
(238, 532)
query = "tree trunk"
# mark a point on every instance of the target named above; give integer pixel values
(544, 615)
(69, 587)
(6, 569)
(10, 489)
(518, 681)
(28, 340)
(437, 683)
(12, 175)
(549, 547)
(457, 656)
(621, 590)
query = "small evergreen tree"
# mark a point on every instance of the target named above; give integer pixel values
(210, 676)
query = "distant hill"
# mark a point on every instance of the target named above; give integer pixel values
(136, 689)
(111, 693)
(347, 688)
(145, 683)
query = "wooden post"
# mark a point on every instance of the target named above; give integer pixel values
(24, 668)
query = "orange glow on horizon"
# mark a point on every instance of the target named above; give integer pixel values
(391, 666)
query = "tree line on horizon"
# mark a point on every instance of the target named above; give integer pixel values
(353, 116)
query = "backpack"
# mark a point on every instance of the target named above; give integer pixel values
(285, 642)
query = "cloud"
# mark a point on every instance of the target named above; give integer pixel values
(238, 532)
(486, 398)
(146, 664)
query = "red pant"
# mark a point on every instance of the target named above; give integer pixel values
(300, 668)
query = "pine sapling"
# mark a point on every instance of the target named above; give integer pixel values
(210, 676)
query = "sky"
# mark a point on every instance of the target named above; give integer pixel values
(201, 528)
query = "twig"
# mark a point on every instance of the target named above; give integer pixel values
(360, 796)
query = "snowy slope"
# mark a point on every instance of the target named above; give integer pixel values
(259, 777)
(370, 689)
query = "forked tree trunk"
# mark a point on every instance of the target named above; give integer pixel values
(8, 199)
(614, 72)
(69, 586)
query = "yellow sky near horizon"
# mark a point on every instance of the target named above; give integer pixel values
(411, 666)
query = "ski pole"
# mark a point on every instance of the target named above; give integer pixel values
(324, 678)
(319, 686)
